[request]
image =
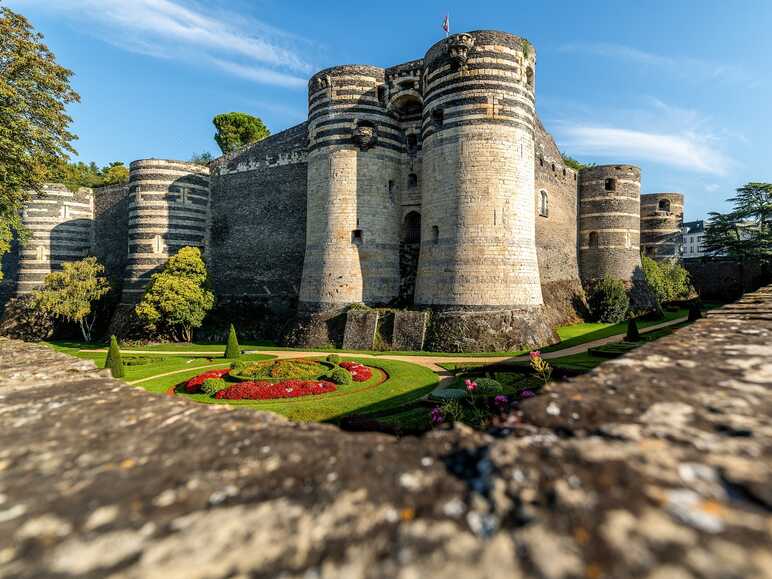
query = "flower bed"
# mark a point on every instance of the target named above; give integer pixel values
(194, 384)
(269, 390)
(359, 372)
(279, 369)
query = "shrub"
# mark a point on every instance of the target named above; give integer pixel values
(633, 335)
(695, 313)
(238, 367)
(488, 387)
(212, 386)
(340, 376)
(668, 280)
(449, 394)
(608, 301)
(333, 359)
(232, 350)
(113, 360)
(194, 384)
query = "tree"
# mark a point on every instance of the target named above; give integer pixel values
(114, 174)
(232, 350)
(202, 158)
(178, 298)
(632, 335)
(573, 163)
(71, 292)
(113, 360)
(235, 130)
(80, 174)
(608, 300)
(34, 135)
(668, 280)
(746, 231)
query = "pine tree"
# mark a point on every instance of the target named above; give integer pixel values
(232, 350)
(113, 360)
(632, 331)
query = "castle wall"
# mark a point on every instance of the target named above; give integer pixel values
(111, 222)
(259, 220)
(556, 202)
(662, 216)
(168, 209)
(478, 235)
(609, 221)
(355, 152)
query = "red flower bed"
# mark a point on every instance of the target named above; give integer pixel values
(194, 384)
(267, 390)
(359, 372)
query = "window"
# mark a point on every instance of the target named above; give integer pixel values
(544, 208)
(553, 167)
(412, 143)
(356, 236)
(411, 228)
(158, 244)
(529, 77)
(611, 184)
(435, 234)
(41, 253)
(541, 161)
(438, 117)
(593, 240)
(392, 191)
(381, 91)
(412, 181)
(664, 205)
(407, 85)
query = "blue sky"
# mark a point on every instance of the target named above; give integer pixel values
(680, 87)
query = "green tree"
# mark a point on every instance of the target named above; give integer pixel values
(80, 174)
(573, 163)
(608, 300)
(114, 174)
(71, 293)
(235, 130)
(632, 335)
(668, 280)
(113, 360)
(34, 135)
(178, 298)
(232, 350)
(746, 231)
(202, 158)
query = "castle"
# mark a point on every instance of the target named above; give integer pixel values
(431, 185)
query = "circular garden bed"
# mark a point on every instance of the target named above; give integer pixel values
(276, 379)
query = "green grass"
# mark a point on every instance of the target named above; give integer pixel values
(406, 383)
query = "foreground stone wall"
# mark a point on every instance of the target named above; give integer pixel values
(654, 465)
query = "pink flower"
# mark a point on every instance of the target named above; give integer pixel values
(535, 354)
(527, 394)
(470, 385)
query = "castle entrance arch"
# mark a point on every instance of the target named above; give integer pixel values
(409, 250)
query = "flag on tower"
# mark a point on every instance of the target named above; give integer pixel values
(446, 24)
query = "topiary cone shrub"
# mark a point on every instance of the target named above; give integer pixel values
(232, 350)
(695, 313)
(113, 360)
(633, 335)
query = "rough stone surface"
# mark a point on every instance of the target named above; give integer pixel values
(409, 330)
(655, 465)
(361, 326)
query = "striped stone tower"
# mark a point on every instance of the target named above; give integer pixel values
(354, 159)
(168, 210)
(609, 221)
(60, 223)
(662, 217)
(478, 232)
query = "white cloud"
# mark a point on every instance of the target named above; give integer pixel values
(180, 29)
(712, 187)
(683, 150)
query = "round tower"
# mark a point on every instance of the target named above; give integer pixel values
(609, 222)
(662, 216)
(168, 210)
(354, 155)
(60, 223)
(478, 250)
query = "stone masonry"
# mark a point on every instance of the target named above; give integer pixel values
(655, 465)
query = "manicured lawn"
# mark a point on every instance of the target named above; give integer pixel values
(405, 384)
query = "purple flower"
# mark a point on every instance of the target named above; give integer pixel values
(501, 400)
(527, 394)
(437, 416)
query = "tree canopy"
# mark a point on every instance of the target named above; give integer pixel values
(178, 298)
(235, 130)
(80, 174)
(34, 135)
(746, 231)
(71, 292)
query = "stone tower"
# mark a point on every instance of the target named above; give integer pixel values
(662, 216)
(609, 222)
(168, 209)
(60, 222)
(354, 165)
